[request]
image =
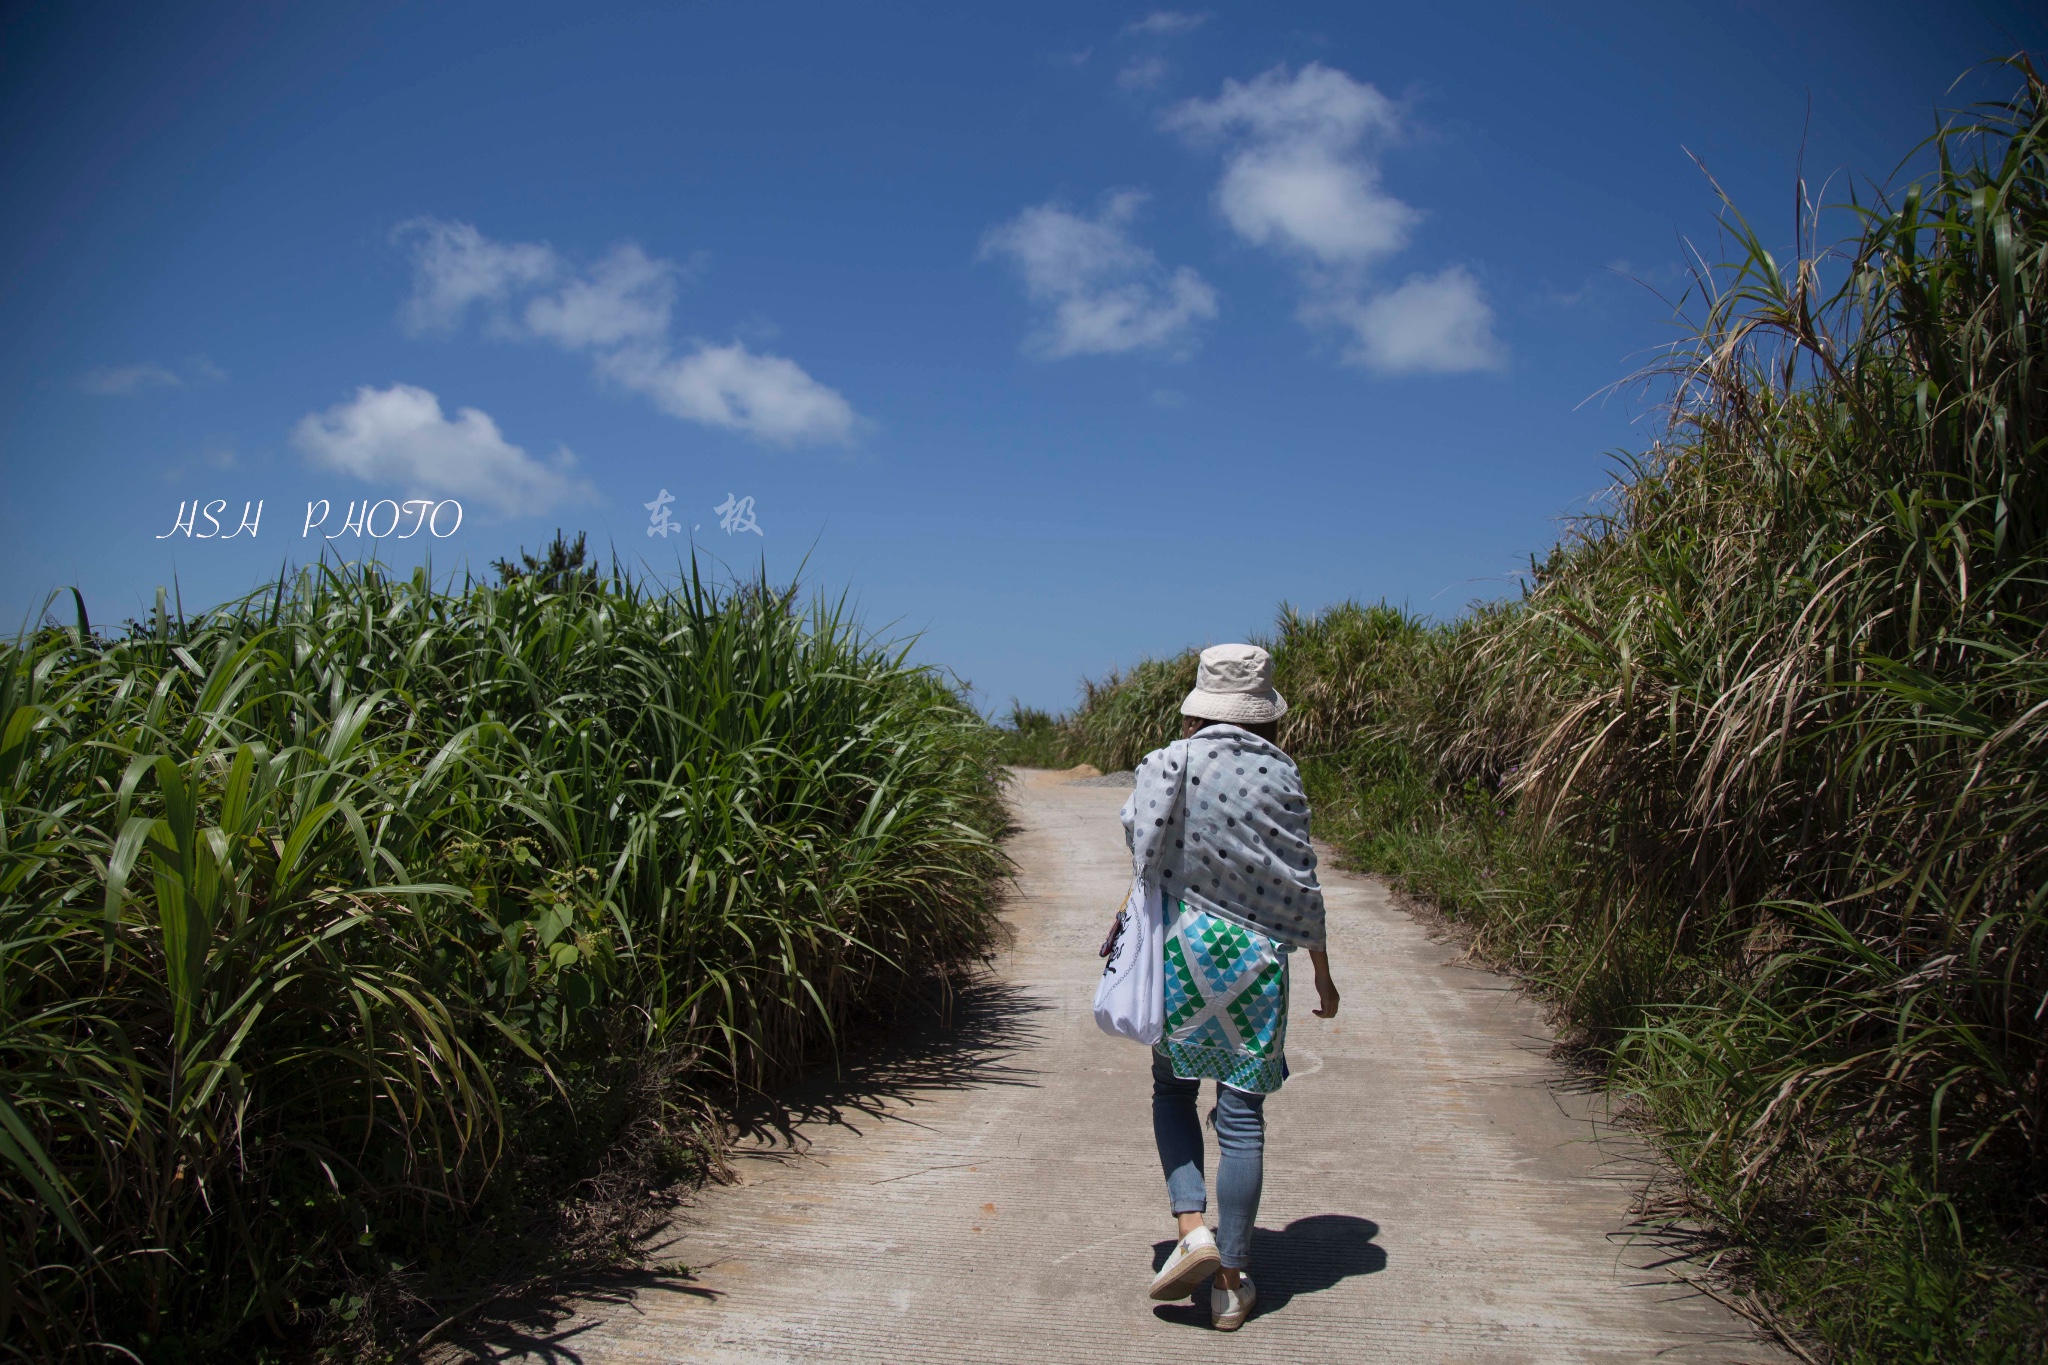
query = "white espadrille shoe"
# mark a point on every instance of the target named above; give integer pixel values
(1194, 1260)
(1228, 1308)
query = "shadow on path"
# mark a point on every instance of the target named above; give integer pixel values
(968, 1040)
(963, 1039)
(527, 1325)
(1307, 1256)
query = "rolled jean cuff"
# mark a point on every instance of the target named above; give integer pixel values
(1185, 1192)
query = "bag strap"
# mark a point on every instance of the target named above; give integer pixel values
(1180, 799)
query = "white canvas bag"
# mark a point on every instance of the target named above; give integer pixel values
(1130, 1000)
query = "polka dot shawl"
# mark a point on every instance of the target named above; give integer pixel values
(1232, 838)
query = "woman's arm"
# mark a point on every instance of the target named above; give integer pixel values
(1326, 985)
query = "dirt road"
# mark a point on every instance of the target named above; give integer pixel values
(1436, 1189)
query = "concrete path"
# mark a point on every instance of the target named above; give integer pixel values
(1434, 1187)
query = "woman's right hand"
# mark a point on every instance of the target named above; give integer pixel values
(1109, 940)
(1327, 998)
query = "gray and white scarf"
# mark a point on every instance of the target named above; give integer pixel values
(1233, 837)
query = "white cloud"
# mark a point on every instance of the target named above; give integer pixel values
(729, 386)
(1297, 172)
(1304, 197)
(1436, 324)
(1317, 102)
(1164, 23)
(1105, 293)
(121, 381)
(399, 435)
(1301, 175)
(456, 267)
(1143, 73)
(625, 297)
(619, 310)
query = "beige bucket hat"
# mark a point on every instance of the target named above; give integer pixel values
(1235, 683)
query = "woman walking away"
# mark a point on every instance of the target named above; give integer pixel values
(1218, 830)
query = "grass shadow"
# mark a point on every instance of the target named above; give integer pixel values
(967, 1039)
(965, 1036)
(540, 1327)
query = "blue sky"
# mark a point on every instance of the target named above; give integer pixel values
(1058, 334)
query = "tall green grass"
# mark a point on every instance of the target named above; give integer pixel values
(1753, 781)
(1030, 738)
(326, 914)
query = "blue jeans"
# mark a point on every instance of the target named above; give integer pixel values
(1240, 1165)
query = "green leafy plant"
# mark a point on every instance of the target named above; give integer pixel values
(346, 915)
